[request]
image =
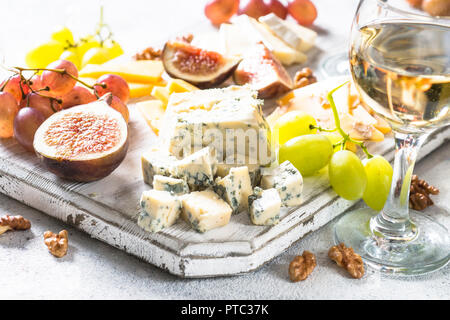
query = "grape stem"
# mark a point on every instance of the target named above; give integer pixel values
(63, 72)
(345, 136)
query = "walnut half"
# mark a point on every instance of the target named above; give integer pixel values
(8, 222)
(57, 243)
(304, 77)
(348, 259)
(302, 266)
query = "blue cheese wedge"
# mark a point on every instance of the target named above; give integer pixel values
(156, 162)
(198, 169)
(205, 210)
(288, 181)
(264, 206)
(235, 188)
(169, 184)
(228, 119)
(160, 210)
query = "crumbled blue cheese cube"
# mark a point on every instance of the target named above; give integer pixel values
(160, 210)
(205, 210)
(235, 188)
(264, 206)
(198, 169)
(172, 185)
(223, 168)
(156, 162)
(288, 181)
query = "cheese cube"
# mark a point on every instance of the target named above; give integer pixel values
(156, 162)
(223, 168)
(198, 169)
(235, 188)
(178, 85)
(153, 112)
(161, 93)
(160, 210)
(169, 184)
(205, 210)
(264, 206)
(288, 181)
(229, 119)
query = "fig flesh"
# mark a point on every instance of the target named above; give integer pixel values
(263, 72)
(202, 68)
(83, 143)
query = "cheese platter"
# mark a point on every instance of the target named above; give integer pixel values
(176, 178)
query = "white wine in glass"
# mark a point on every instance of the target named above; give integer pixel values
(400, 64)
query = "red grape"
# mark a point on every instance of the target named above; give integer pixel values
(114, 84)
(415, 3)
(59, 84)
(8, 111)
(220, 11)
(14, 87)
(47, 106)
(117, 104)
(253, 8)
(304, 11)
(26, 122)
(78, 95)
(35, 82)
(276, 7)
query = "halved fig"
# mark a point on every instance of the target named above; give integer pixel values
(83, 143)
(202, 68)
(263, 72)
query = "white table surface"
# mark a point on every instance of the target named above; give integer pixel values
(94, 270)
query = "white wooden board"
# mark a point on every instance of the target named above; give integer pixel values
(107, 210)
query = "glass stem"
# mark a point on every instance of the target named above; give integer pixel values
(393, 222)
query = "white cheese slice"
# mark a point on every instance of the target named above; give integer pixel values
(288, 181)
(264, 206)
(160, 210)
(169, 184)
(205, 210)
(258, 32)
(235, 188)
(296, 36)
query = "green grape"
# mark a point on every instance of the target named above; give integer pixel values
(63, 35)
(43, 55)
(347, 175)
(95, 56)
(308, 153)
(72, 56)
(114, 49)
(293, 124)
(379, 178)
(85, 44)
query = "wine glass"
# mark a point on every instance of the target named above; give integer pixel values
(400, 64)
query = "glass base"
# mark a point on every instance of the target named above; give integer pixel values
(428, 251)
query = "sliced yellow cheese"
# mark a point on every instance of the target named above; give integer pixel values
(178, 85)
(161, 93)
(153, 112)
(142, 71)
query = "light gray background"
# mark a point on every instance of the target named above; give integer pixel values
(94, 270)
